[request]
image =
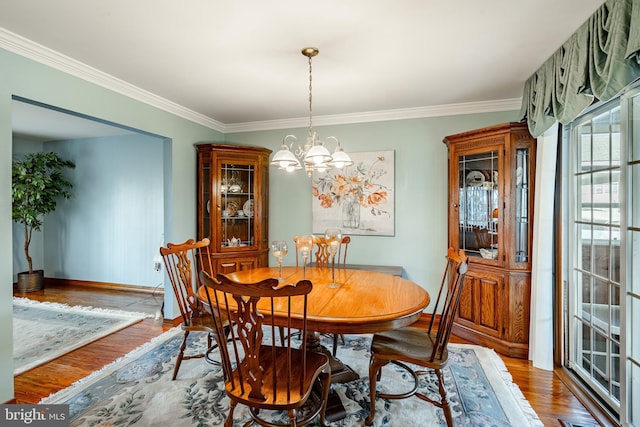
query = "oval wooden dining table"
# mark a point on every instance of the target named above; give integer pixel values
(364, 302)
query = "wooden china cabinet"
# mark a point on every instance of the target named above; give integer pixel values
(233, 204)
(491, 188)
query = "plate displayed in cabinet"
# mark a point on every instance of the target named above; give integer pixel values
(232, 207)
(248, 207)
(475, 179)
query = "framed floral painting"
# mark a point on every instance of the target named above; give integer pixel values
(358, 199)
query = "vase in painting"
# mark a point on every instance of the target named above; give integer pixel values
(350, 212)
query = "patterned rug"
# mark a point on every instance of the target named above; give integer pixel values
(137, 390)
(43, 331)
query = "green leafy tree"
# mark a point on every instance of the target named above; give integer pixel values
(37, 182)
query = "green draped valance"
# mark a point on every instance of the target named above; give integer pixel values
(598, 61)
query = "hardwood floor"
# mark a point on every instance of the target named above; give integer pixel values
(40, 382)
(548, 396)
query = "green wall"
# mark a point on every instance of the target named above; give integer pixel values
(34, 81)
(420, 240)
(419, 243)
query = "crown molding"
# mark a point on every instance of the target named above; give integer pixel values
(383, 115)
(17, 44)
(42, 54)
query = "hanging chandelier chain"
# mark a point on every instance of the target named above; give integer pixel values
(310, 98)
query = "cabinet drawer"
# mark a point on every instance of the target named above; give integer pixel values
(226, 266)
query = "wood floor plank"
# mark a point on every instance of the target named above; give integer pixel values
(546, 393)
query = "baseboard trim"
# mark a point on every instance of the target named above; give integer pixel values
(49, 281)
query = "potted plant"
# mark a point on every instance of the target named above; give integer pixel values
(36, 184)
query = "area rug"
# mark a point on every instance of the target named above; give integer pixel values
(43, 331)
(137, 390)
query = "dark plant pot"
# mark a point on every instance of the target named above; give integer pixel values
(30, 282)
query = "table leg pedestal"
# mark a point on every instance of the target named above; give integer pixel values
(340, 373)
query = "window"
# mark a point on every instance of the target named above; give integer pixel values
(631, 261)
(603, 267)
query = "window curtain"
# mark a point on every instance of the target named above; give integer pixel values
(597, 62)
(541, 323)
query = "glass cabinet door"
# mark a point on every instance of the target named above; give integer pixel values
(522, 208)
(233, 205)
(237, 195)
(479, 211)
(205, 200)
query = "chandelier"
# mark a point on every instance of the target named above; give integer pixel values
(314, 155)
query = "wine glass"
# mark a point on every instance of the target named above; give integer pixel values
(279, 249)
(333, 238)
(304, 245)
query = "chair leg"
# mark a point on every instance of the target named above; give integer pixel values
(325, 378)
(229, 421)
(443, 397)
(375, 365)
(335, 343)
(292, 418)
(180, 355)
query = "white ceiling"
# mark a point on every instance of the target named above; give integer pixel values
(238, 62)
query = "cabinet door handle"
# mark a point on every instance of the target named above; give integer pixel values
(456, 206)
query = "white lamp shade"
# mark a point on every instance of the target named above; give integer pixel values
(317, 155)
(285, 159)
(340, 159)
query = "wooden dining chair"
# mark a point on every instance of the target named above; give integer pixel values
(181, 261)
(422, 347)
(322, 254)
(323, 259)
(300, 261)
(258, 372)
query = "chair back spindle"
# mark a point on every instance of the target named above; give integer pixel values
(448, 301)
